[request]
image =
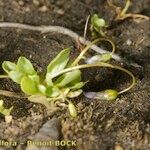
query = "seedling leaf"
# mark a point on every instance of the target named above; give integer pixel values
(3, 110)
(28, 86)
(77, 86)
(15, 76)
(8, 66)
(34, 78)
(67, 78)
(59, 62)
(42, 89)
(25, 66)
(40, 99)
(73, 94)
(52, 92)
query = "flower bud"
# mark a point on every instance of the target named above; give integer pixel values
(109, 95)
(72, 110)
(99, 58)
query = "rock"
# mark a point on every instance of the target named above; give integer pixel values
(45, 138)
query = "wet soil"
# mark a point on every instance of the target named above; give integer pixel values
(100, 125)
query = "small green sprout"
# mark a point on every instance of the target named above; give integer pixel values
(97, 26)
(5, 112)
(122, 12)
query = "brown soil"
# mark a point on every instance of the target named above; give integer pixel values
(100, 125)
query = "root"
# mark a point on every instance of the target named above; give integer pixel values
(61, 30)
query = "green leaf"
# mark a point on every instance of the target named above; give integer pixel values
(40, 99)
(73, 94)
(42, 88)
(48, 80)
(6, 112)
(1, 105)
(34, 78)
(59, 62)
(25, 66)
(3, 110)
(52, 92)
(15, 76)
(8, 66)
(28, 86)
(77, 86)
(68, 78)
(97, 21)
(77, 80)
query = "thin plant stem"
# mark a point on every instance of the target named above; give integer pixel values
(12, 94)
(89, 46)
(101, 64)
(86, 26)
(84, 51)
(60, 30)
(129, 15)
(123, 12)
(4, 76)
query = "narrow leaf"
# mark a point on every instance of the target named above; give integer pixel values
(77, 86)
(73, 94)
(68, 78)
(8, 66)
(48, 80)
(59, 62)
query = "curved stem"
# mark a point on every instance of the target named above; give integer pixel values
(84, 51)
(133, 16)
(123, 12)
(99, 65)
(4, 76)
(89, 46)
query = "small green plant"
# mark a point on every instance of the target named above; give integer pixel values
(122, 12)
(98, 31)
(98, 25)
(62, 81)
(5, 112)
(65, 86)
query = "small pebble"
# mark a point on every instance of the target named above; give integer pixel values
(129, 42)
(21, 3)
(50, 131)
(43, 9)
(36, 2)
(8, 119)
(60, 12)
(118, 147)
